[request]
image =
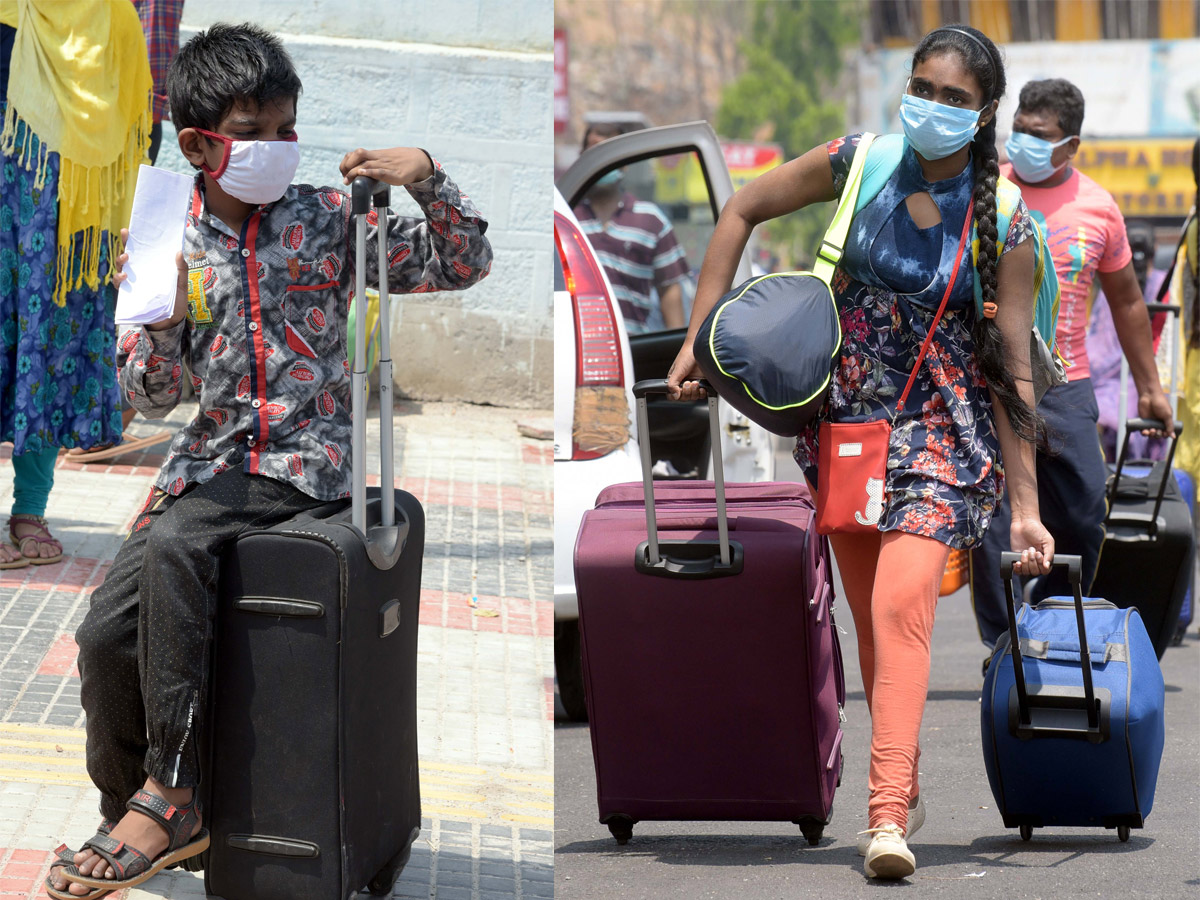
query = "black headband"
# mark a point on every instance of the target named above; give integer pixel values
(983, 47)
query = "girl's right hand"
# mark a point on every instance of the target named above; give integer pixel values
(684, 376)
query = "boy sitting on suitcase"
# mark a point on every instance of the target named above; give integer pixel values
(260, 318)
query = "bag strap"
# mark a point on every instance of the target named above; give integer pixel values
(829, 254)
(962, 243)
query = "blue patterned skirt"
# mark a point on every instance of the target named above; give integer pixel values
(58, 385)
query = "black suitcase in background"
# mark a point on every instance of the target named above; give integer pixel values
(311, 789)
(1148, 551)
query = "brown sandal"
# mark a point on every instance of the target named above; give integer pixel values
(43, 537)
(128, 444)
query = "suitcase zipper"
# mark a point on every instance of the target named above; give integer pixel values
(1088, 603)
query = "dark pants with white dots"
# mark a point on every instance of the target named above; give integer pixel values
(144, 644)
(1072, 501)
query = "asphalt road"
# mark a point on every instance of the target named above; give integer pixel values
(962, 851)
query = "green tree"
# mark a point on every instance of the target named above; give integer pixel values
(788, 91)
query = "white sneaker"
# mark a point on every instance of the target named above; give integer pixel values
(888, 855)
(916, 818)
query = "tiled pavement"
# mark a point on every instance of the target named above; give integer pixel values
(485, 660)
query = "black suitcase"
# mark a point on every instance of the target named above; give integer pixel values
(1147, 557)
(311, 778)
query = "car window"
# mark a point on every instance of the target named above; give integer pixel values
(650, 222)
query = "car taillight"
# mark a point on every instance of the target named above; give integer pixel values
(598, 362)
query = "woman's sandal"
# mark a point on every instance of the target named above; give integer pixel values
(43, 537)
(131, 866)
(128, 444)
(65, 856)
(12, 558)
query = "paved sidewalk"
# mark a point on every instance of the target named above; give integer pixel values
(485, 658)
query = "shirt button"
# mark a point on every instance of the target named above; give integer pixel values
(245, 251)
(256, 403)
(254, 326)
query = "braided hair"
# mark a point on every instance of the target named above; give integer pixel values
(982, 59)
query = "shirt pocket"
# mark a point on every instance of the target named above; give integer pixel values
(310, 316)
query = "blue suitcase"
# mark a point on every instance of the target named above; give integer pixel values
(1072, 713)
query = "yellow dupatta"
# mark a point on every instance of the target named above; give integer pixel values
(80, 82)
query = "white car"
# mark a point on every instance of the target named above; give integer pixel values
(596, 361)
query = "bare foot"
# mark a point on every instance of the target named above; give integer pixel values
(138, 831)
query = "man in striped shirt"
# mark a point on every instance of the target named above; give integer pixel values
(636, 244)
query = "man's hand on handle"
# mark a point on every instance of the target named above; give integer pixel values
(1155, 405)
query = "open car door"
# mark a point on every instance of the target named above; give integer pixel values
(677, 177)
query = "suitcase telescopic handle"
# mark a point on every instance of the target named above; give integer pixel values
(1137, 425)
(688, 565)
(1026, 727)
(384, 541)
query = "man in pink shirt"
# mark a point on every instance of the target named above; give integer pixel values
(1087, 239)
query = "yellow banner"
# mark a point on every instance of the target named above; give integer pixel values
(680, 179)
(1147, 176)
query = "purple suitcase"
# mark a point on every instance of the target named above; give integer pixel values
(714, 675)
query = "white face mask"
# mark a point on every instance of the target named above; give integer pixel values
(255, 171)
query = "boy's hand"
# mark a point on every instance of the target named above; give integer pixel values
(181, 286)
(398, 166)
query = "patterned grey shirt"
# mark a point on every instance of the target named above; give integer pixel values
(265, 336)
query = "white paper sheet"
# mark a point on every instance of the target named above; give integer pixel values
(156, 225)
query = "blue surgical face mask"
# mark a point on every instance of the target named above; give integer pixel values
(936, 130)
(608, 179)
(1030, 156)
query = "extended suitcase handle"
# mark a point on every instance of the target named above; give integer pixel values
(689, 559)
(1048, 712)
(385, 541)
(1133, 426)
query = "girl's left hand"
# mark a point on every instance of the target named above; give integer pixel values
(1029, 537)
(398, 166)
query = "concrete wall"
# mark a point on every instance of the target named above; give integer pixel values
(471, 82)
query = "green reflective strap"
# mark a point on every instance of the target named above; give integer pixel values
(829, 254)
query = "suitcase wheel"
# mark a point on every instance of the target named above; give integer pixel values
(621, 828)
(812, 829)
(1123, 832)
(1026, 832)
(381, 885)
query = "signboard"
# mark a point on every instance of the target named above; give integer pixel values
(680, 179)
(1147, 176)
(562, 105)
(1131, 88)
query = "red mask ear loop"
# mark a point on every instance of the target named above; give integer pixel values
(228, 144)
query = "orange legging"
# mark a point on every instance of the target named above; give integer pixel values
(891, 582)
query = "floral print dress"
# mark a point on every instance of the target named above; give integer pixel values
(944, 475)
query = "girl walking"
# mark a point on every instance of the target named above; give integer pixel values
(967, 427)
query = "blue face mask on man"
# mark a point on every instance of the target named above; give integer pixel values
(1030, 156)
(936, 130)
